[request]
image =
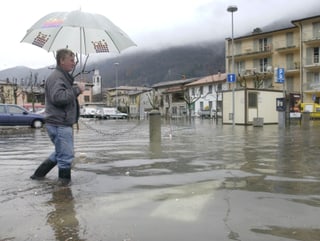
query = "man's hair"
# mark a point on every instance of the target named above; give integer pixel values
(62, 54)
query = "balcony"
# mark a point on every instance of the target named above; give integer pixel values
(251, 72)
(312, 63)
(311, 86)
(287, 49)
(260, 52)
(312, 41)
(293, 68)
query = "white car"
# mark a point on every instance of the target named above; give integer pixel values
(110, 113)
(88, 112)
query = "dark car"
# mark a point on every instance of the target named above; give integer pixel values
(15, 115)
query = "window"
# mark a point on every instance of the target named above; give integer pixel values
(263, 44)
(240, 67)
(167, 99)
(210, 89)
(132, 100)
(237, 47)
(316, 77)
(201, 105)
(2, 110)
(263, 65)
(316, 55)
(86, 98)
(15, 110)
(201, 90)
(253, 100)
(289, 83)
(289, 60)
(316, 30)
(289, 39)
(193, 92)
(219, 87)
(174, 110)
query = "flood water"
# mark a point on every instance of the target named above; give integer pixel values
(204, 181)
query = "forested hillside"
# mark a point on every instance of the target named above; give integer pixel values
(145, 68)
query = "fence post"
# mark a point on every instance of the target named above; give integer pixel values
(155, 126)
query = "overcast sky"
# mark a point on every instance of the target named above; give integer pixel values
(151, 24)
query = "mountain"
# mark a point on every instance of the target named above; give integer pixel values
(147, 67)
(24, 73)
(150, 67)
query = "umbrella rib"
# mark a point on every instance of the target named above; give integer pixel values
(84, 39)
(112, 41)
(54, 38)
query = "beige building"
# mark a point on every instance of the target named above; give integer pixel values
(7, 92)
(121, 97)
(309, 42)
(259, 56)
(170, 96)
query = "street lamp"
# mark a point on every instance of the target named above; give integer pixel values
(116, 66)
(232, 9)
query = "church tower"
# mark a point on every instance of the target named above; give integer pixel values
(97, 83)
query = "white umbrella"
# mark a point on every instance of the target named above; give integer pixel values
(81, 32)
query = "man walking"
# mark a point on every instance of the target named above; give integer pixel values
(62, 111)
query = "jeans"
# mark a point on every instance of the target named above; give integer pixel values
(62, 138)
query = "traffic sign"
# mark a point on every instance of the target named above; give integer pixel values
(280, 75)
(231, 78)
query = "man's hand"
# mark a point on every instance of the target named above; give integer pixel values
(81, 86)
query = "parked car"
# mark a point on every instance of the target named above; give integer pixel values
(110, 113)
(15, 115)
(88, 111)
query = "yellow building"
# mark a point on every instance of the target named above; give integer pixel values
(309, 40)
(8, 92)
(260, 55)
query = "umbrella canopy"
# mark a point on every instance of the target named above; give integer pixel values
(78, 31)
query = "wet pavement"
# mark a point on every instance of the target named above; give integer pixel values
(205, 181)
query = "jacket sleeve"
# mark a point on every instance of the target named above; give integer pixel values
(59, 93)
(76, 90)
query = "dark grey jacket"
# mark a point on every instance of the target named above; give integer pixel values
(62, 106)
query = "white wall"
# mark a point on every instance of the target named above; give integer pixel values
(266, 107)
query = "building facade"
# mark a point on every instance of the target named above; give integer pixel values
(260, 56)
(309, 43)
(170, 97)
(205, 95)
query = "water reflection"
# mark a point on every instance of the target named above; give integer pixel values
(155, 149)
(63, 218)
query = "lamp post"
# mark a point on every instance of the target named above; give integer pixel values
(116, 66)
(232, 9)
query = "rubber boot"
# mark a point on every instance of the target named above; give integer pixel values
(64, 176)
(43, 169)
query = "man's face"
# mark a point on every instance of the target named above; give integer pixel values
(68, 63)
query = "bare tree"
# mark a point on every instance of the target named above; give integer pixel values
(190, 100)
(154, 100)
(2, 95)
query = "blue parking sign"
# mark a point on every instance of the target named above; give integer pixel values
(231, 78)
(280, 75)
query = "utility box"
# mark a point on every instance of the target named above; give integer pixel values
(280, 104)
